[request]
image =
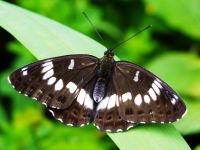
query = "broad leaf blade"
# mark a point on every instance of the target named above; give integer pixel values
(150, 137)
(46, 38)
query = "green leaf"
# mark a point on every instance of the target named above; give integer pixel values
(139, 48)
(170, 10)
(190, 123)
(148, 137)
(46, 38)
(197, 148)
(60, 39)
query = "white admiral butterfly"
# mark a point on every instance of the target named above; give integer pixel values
(115, 95)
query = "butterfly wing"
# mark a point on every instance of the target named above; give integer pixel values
(57, 81)
(81, 111)
(107, 113)
(143, 97)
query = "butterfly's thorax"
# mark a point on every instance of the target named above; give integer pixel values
(104, 73)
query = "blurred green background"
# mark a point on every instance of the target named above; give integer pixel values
(170, 49)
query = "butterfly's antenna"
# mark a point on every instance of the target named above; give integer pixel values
(95, 29)
(120, 43)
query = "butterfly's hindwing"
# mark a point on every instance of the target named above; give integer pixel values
(55, 82)
(81, 111)
(107, 113)
(143, 97)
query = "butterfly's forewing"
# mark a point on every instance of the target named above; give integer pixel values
(81, 112)
(143, 97)
(107, 113)
(55, 82)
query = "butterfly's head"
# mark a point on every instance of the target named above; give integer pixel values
(109, 53)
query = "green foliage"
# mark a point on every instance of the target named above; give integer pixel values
(136, 50)
(149, 137)
(180, 14)
(197, 148)
(45, 38)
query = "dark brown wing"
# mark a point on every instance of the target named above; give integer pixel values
(107, 113)
(57, 81)
(81, 111)
(143, 97)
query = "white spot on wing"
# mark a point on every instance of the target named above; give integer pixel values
(119, 130)
(108, 130)
(47, 63)
(60, 119)
(136, 78)
(81, 97)
(117, 102)
(54, 107)
(25, 73)
(103, 104)
(48, 74)
(152, 94)
(44, 103)
(184, 113)
(71, 86)
(48, 60)
(82, 125)
(71, 65)
(25, 68)
(138, 100)
(126, 96)
(51, 80)
(173, 101)
(96, 126)
(146, 99)
(159, 80)
(130, 126)
(51, 111)
(88, 103)
(47, 68)
(59, 85)
(158, 84)
(175, 96)
(9, 80)
(69, 124)
(112, 101)
(130, 121)
(34, 98)
(156, 89)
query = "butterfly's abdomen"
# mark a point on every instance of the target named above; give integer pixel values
(104, 73)
(99, 90)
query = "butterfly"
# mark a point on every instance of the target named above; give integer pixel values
(114, 95)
